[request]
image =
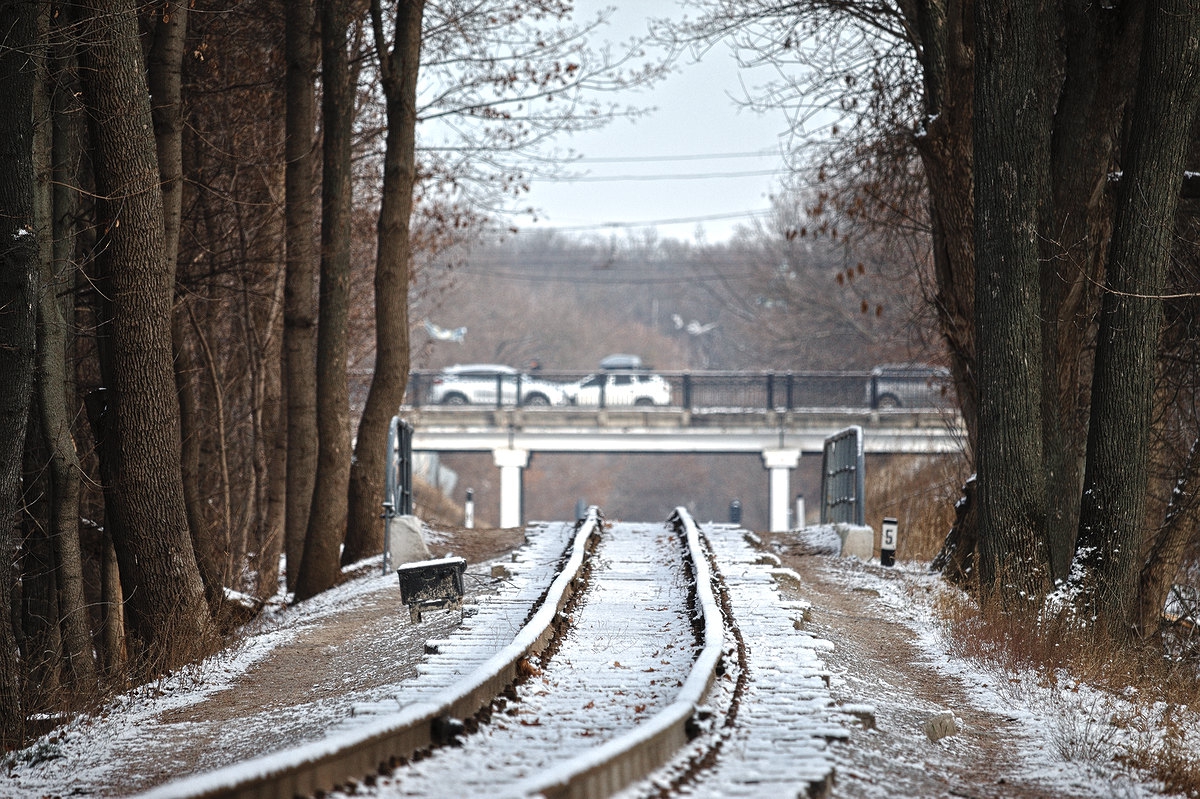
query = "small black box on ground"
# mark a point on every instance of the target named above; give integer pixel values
(432, 584)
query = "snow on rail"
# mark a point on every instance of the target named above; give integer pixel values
(629, 647)
(785, 717)
(352, 753)
(608, 768)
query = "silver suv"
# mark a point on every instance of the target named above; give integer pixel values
(491, 384)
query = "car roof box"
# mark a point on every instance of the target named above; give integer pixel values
(621, 361)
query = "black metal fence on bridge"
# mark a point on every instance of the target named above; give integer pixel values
(923, 387)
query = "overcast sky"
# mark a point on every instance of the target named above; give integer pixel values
(730, 156)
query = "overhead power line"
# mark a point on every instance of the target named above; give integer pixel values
(679, 220)
(637, 159)
(682, 176)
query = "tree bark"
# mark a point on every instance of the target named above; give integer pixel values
(18, 253)
(320, 567)
(39, 636)
(161, 582)
(164, 76)
(1100, 62)
(1014, 105)
(1116, 477)
(1166, 554)
(946, 33)
(54, 211)
(400, 65)
(274, 444)
(300, 302)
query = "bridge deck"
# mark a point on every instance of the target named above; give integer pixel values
(554, 429)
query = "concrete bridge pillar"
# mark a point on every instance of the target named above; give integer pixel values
(780, 463)
(511, 462)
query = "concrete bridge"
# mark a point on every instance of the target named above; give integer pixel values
(780, 437)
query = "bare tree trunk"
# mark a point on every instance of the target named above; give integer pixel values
(1014, 107)
(1100, 65)
(168, 23)
(164, 593)
(56, 382)
(300, 306)
(113, 651)
(1119, 437)
(946, 152)
(18, 252)
(264, 359)
(327, 520)
(222, 547)
(186, 370)
(1166, 554)
(165, 65)
(39, 636)
(274, 443)
(399, 69)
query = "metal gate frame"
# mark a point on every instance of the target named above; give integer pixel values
(843, 477)
(397, 483)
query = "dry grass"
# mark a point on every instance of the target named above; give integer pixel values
(1128, 706)
(919, 492)
(433, 506)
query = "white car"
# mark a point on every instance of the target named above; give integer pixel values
(608, 389)
(492, 384)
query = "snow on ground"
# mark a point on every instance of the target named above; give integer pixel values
(85, 753)
(1018, 736)
(1058, 740)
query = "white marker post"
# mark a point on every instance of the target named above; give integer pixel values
(469, 510)
(887, 542)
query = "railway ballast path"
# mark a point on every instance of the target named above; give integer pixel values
(626, 643)
(627, 647)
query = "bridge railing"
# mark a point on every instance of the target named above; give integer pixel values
(693, 390)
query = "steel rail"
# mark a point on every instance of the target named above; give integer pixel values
(323, 765)
(614, 765)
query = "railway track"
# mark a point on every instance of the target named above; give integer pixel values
(628, 673)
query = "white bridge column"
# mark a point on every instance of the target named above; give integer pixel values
(511, 462)
(780, 462)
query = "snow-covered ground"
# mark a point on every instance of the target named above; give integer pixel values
(890, 668)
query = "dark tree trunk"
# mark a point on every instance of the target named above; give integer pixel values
(400, 65)
(56, 159)
(18, 253)
(39, 637)
(946, 31)
(320, 568)
(164, 594)
(1166, 554)
(1014, 104)
(274, 445)
(300, 302)
(114, 654)
(1119, 437)
(168, 25)
(1099, 62)
(165, 66)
